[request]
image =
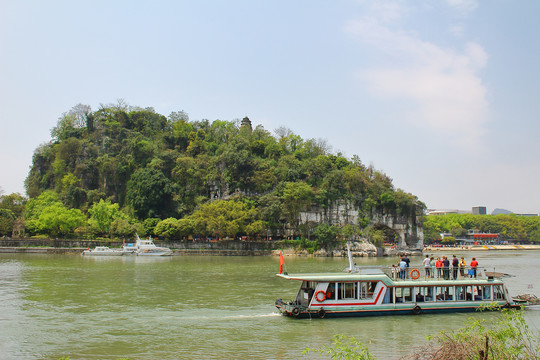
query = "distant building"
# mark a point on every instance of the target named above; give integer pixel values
(446, 211)
(479, 210)
(501, 212)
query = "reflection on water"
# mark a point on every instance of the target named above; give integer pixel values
(196, 307)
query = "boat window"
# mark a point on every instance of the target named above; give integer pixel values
(404, 294)
(306, 292)
(498, 292)
(347, 290)
(461, 293)
(366, 289)
(399, 295)
(486, 293)
(478, 293)
(424, 293)
(444, 293)
(388, 296)
(468, 293)
(407, 294)
(331, 291)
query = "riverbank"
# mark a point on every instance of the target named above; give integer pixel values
(238, 248)
(482, 248)
(176, 252)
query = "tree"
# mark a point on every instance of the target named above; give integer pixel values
(36, 205)
(296, 196)
(149, 226)
(102, 215)
(168, 228)
(325, 234)
(66, 128)
(150, 193)
(14, 202)
(56, 220)
(377, 237)
(7, 218)
(220, 218)
(255, 228)
(121, 227)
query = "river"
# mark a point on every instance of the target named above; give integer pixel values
(200, 307)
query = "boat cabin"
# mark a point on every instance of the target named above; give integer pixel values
(372, 291)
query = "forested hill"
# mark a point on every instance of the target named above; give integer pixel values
(158, 167)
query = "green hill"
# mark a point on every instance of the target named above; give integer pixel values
(219, 178)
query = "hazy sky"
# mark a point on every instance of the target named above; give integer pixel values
(440, 95)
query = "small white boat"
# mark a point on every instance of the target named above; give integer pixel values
(102, 251)
(148, 248)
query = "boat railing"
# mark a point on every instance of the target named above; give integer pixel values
(435, 274)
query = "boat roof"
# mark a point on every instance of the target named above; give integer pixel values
(381, 276)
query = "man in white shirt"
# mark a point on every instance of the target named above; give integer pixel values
(427, 266)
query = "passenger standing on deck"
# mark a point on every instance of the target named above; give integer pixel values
(407, 261)
(446, 268)
(474, 265)
(462, 265)
(432, 264)
(439, 266)
(395, 271)
(426, 266)
(455, 265)
(402, 269)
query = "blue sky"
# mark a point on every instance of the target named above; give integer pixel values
(440, 95)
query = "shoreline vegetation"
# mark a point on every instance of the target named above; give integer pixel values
(242, 248)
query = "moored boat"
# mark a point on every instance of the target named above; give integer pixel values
(147, 247)
(102, 251)
(129, 249)
(376, 291)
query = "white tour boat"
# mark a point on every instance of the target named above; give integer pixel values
(148, 248)
(379, 291)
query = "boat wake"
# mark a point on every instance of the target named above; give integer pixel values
(252, 316)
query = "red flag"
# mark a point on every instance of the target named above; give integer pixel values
(281, 262)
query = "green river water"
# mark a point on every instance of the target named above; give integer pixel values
(200, 307)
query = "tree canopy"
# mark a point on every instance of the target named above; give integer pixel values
(245, 180)
(523, 228)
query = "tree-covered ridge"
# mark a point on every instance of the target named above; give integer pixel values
(155, 167)
(522, 228)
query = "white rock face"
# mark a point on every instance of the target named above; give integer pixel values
(410, 233)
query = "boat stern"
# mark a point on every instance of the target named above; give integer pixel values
(289, 308)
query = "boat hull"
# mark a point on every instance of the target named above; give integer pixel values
(154, 253)
(300, 312)
(91, 253)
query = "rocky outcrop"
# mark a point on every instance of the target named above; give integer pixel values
(410, 234)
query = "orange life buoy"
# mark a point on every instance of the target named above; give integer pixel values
(317, 296)
(415, 274)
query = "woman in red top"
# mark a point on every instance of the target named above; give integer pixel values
(474, 265)
(439, 265)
